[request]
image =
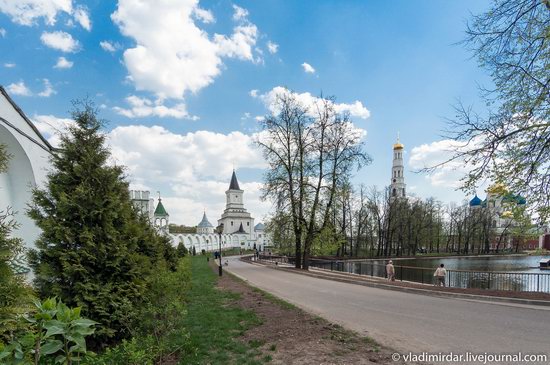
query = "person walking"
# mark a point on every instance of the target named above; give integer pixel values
(439, 275)
(390, 271)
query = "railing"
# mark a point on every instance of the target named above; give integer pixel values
(491, 280)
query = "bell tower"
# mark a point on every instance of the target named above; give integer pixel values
(398, 186)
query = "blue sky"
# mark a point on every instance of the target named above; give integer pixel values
(183, 83)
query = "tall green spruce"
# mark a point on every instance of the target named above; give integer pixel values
(95, 251)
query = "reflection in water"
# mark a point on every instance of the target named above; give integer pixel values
(518, 273)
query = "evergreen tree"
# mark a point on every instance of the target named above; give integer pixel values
(94, 251)
(15, 295)
(181, 250)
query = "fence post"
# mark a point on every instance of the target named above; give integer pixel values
(371, 269)
(538, 282)
(489, 281)
(422, 271)
(401, 270)
(331, 265)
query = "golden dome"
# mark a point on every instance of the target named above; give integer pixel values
(398, 146)
(507, 214)
(497, 189)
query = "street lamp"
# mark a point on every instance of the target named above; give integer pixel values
(219, 229)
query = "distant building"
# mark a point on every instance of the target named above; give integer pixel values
(27, 169)
(239, 230)
(143, 202)
(398, 186)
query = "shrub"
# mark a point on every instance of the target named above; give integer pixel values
(56, 334)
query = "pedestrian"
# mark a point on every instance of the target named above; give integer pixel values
(439, 275)
(390, 271)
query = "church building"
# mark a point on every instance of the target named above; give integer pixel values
(398, 186)
(27, 168)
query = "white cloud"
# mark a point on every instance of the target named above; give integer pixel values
(239, 13)
(60, 40)
(48, 89)
(203, 15)
(198, 178)
(254, 93)
(259, 118)
(9, 65)
(143, 107)
(308, 68)
(19, 89)
(82, 17)
(435, 153)
(355, 109)
(26, 12)
(108, 46)
(51, 127)
(2, 32)
(172, 54)
(272, 47)
(62, 62)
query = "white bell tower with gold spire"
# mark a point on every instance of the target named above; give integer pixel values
(398, 186)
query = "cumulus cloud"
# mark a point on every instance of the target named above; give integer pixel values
(51, 127)
(198, 178)
(355, 109)
(143, 107)
(108, 46)
(60, 40)
(272, 47)
(432, 154)
(27, 12)
(204, 15)
(9, 65)
(172, 55)
(2, 32)
(308, 68)
(62, 62)
(82, 17)
(48, 89)
(239, 13)
(19, 88)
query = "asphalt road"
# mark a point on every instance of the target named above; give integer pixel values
(409, 322)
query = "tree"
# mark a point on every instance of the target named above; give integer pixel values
(94, 252)
(311, 152)
(181, 250)
(15, 295)
(510, 142)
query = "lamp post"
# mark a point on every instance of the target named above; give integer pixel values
(219, 229)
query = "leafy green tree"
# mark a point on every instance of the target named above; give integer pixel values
(94, 252)
(508, 142)
(15, 295)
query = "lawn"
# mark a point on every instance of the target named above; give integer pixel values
(215, 322)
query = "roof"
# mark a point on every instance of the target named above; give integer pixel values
(241, 229)
(259, 227)
(31, 124)
(475, 201)
(204, 223)
(160, 211)
(398, 145)
(234, 185)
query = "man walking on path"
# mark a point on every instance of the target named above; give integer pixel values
(390, 271)
(439, 275)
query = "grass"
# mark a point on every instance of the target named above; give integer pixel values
(215, 324)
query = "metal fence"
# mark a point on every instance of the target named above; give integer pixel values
(493, 280)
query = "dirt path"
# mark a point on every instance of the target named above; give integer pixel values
(291, 336)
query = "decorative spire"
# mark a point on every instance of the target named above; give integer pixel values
(234, 185)
(398, 145)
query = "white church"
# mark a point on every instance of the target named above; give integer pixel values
(239, 230)
(27, 167)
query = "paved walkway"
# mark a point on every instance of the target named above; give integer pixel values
(409, 322)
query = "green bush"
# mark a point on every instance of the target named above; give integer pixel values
(56, 335)
(140, 351)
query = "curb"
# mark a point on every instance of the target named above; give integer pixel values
(486, 298)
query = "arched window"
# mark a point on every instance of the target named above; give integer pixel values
(394, 193)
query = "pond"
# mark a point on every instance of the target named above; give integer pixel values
(515, 272)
